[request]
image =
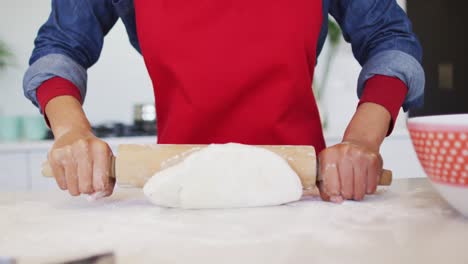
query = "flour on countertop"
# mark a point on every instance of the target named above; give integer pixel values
(55, 227)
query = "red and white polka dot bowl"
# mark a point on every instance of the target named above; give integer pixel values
(441, 143)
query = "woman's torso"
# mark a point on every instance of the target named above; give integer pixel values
(232, 71)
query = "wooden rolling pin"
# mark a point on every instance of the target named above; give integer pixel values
(135, 164)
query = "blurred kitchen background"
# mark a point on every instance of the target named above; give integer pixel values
(121, 69)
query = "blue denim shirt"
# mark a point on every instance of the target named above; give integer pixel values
(379, 31)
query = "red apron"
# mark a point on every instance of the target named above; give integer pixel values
(232, 71)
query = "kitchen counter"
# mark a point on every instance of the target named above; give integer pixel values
(406, 223)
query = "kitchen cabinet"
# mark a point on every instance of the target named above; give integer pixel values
(14, 171)
(39, 182)
(441, 26)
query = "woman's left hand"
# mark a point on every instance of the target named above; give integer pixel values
(349, 171)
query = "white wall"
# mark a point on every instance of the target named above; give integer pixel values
(121, 72)
(340, 98)
(19, 21)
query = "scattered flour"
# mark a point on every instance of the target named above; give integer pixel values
(393, 226)
(95, 196)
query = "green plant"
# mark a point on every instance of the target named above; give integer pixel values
(334, 38)
(5, 55)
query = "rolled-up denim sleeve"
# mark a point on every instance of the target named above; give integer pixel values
(69, 43)
(383, 42)
(49, 66)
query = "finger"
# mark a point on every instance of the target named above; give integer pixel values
(374, 171)
(71, 177)
(101, 164)
(330, 187)
(346, 175)
(360, 179)
(57, 169)
(84, 167)
(110, 189)
(323, 194)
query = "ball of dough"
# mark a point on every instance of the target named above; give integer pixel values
(225, 176)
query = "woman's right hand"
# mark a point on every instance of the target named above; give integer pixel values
(80, 163)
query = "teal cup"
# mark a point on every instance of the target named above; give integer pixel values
(10, 128)
(33, 128)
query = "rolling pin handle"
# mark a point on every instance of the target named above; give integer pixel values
(47, 170)
(386, 178)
